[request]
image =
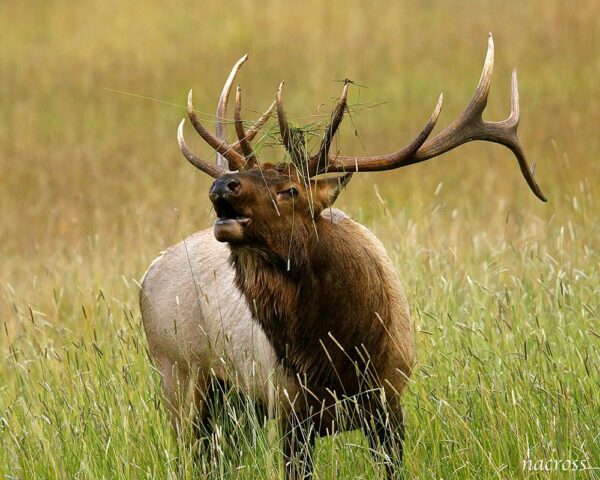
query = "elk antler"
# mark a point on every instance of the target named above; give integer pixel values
(255, 127)
(320, 159)
(245, 146)
(319, 163)
(235, 159)
(292, 142)
(212, 170)
(468, 126)
(220, 127)
(227, 155)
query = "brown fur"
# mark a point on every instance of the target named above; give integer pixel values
(321, 286)
(335, 287)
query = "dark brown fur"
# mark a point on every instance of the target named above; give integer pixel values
(325, 293)
(320, 310)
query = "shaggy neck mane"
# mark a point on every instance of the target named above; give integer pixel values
(325, 309)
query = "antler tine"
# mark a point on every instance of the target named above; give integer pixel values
(469, 124)
(511, 124)
(214, 171)
(467, 127)
(237, 161)
(245, 146)
(284, 128)
(319, 160)
(293, 140)
(513, 119)
(389, 161)
(256, 126)
(220, 126)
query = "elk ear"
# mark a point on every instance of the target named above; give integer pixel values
(326, 190)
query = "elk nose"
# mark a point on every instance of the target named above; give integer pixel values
(224, 186)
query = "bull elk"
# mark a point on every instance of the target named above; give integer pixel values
(287, 297)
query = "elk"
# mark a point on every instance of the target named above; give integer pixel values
(291, 299)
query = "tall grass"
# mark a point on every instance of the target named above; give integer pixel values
(504, 290)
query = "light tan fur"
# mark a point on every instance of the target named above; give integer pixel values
(198, 324)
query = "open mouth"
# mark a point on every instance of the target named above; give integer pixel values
(227, 214)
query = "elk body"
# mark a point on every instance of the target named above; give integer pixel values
(288, 297)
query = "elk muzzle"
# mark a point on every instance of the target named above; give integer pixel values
(230, 223)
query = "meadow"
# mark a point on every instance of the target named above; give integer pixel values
(504, 289)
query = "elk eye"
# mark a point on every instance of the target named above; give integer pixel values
(290, 192)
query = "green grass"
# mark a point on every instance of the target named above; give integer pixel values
(504, 290)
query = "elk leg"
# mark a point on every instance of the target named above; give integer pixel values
(219, 402)
(299, 439)
(207, 400)
(385, 433)
(180, 394)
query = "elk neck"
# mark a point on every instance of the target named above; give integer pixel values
(326, 307)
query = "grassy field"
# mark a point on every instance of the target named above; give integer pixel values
(504, 290)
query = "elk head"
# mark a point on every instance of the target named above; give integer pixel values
(268, 206)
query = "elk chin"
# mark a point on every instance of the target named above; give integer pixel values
(230, 230)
